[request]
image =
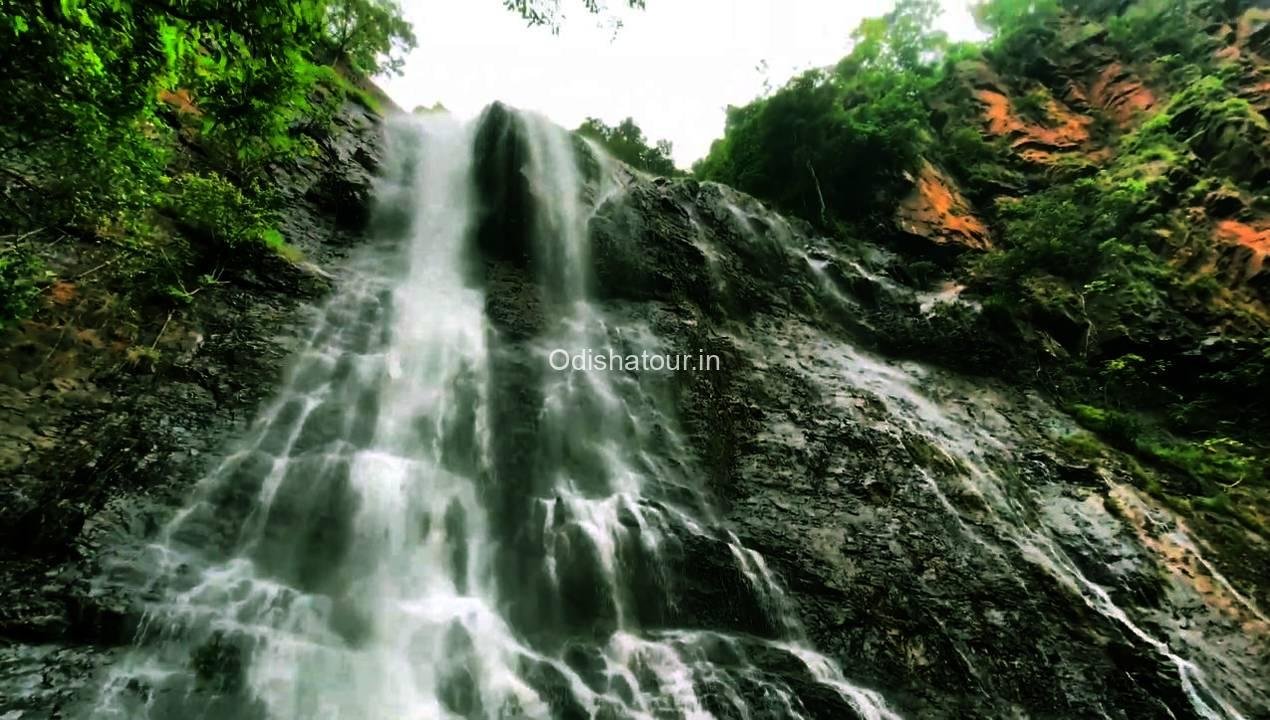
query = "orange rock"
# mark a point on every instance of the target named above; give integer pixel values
(998, 113)
(1120, 94)
(1256, 238)
(90, 337)
(1246, 248)
(1169, 537)
(1035, 142)
(63, 292)
(937, 211)
(181, 100)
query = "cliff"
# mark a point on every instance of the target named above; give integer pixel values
(923, 429)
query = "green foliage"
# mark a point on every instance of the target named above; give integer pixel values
(1123, 429)
(95, 94)
(1222, 129)
(1216, 461)
(19, 272)
(218, 213)
(1061, 231)
(981, 166)
(1212, 466)
(627, 143)
(1024, 33)
(834, 147)
(76, 102)
(1164, 28)
(370, 35)
(83, 141)
(1034, 106)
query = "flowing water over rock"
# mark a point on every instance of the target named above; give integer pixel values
(431, 522)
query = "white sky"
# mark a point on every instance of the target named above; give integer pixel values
(674, 67)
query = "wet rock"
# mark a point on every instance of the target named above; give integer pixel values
(504, 222)
(931, 531)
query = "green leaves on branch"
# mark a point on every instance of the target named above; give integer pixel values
(82, 138)
(370, 35)
(548, 12)
(19, 270)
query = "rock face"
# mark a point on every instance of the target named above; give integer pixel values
(935, 532)
(936, 211)
(1090, 109)
(505, 219)
(107, 413)
(1243, 260)
(1118, 92)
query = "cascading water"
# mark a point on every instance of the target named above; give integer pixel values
(431, 522)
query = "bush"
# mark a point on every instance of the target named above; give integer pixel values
(1122, 429)
(1164, 27)
(217, 212)
(1211, 465)
(1034, 105)
(19, 273)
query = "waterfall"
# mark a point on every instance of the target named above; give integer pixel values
(429, 521)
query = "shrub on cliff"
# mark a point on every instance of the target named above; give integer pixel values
(18, 289)
(217, 212)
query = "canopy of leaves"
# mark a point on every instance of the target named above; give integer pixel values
(371, 35)
(627, 143)
(833, 146)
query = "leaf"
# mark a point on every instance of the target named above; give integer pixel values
(170, 37)
(272, 238)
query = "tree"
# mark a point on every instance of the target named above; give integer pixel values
(627, 143)
(834, 146)
(900, 40)
(79, 80)
(371, 35)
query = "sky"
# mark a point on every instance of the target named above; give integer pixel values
(674, 67)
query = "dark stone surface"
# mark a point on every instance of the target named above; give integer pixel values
(932, 530)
